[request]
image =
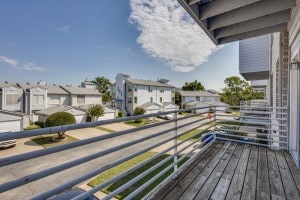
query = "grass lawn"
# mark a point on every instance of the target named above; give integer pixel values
(127, 165)
(143, 123)
(236, 113)
(193, 132)
(31, 127)
(105, 129)
(46, 140)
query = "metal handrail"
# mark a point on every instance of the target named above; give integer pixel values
(273, 140)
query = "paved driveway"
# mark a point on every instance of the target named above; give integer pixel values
(85, 133)
(34, 165)
(23, 145)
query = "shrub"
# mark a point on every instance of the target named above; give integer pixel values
(59, 119)
(31, 127)
(138, 111)
(120, 114)
(40, 124)
(95, 111)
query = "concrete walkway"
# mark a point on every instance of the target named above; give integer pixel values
(85, 133)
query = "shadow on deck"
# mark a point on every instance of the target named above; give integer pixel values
(234, 171)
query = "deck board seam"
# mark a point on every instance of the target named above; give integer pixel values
(222, 170)
(280, 175)
(234, 171)
(204, 168)
(245, 172)
(288, 164)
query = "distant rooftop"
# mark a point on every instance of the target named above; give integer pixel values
(197, 94)
(149, 82)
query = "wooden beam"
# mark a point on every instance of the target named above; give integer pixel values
(255, 33)
(252, 11)
(221, 6)
(254, 24)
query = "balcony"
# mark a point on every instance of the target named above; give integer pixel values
(220, 152)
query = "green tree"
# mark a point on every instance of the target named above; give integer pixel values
(138, 111)
(178, 98)
(103, 84)
(95, 111)
(193, 86)
(60, 119)
(106, 97)
(238, 90)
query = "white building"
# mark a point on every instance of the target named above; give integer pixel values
(11, 97)
(148, 94)
(198, 96)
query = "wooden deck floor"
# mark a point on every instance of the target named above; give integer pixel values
(235, 171)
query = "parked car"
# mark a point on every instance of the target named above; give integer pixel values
(71, 193)
(168, 116)
(7, 143)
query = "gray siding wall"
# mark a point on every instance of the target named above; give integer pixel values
(254, 54)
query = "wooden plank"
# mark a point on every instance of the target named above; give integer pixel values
(192, 191)
(276, 187)
(294, 170)
(291, 191)
(186, 180)
(263, 186)
(236, 186)
(249, 188)
(221, 189)
(213, 179)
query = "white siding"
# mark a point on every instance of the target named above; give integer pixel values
(254, 54)
(61, 99)
(18, 92)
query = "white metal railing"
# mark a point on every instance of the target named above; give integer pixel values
(221, 126)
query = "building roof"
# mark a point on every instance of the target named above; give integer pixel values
(54, 109)
(55, 89)
(6, 116)
(168, 103)
(148, 82)
(197, 94)
(81, 90)
(193, 103)
(26, 86)
(87, 106)
(148, 104)
(4, 84)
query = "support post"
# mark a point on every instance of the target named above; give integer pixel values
(175, 143)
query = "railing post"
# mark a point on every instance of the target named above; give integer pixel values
(175, 142)
(215, 118)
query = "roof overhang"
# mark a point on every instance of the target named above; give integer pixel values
(226, 21)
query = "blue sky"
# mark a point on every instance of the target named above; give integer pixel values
(65, 41)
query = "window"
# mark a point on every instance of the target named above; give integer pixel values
(197, 98)
(135, 88)
(80, 100)
(12, 99)
(54, 100)
(38, 99)
(129, 88)
(135, 99)
(129, 100)
(161, 89)
(160, 99)
(149, 89)
(151, 99)
(173, 99)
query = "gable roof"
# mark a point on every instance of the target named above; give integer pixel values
(29, 86)
(168, 103)
(148, 104)
(197, 94)
(54, 109)
(86, 107)
(148, 82)
(3, 85)
(81, 90)
(54, 89)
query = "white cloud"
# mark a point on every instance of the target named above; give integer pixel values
(64, 28)
(169, 34)
(28, 66)
(10, 61)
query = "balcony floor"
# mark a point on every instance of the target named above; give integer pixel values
(235, 171)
